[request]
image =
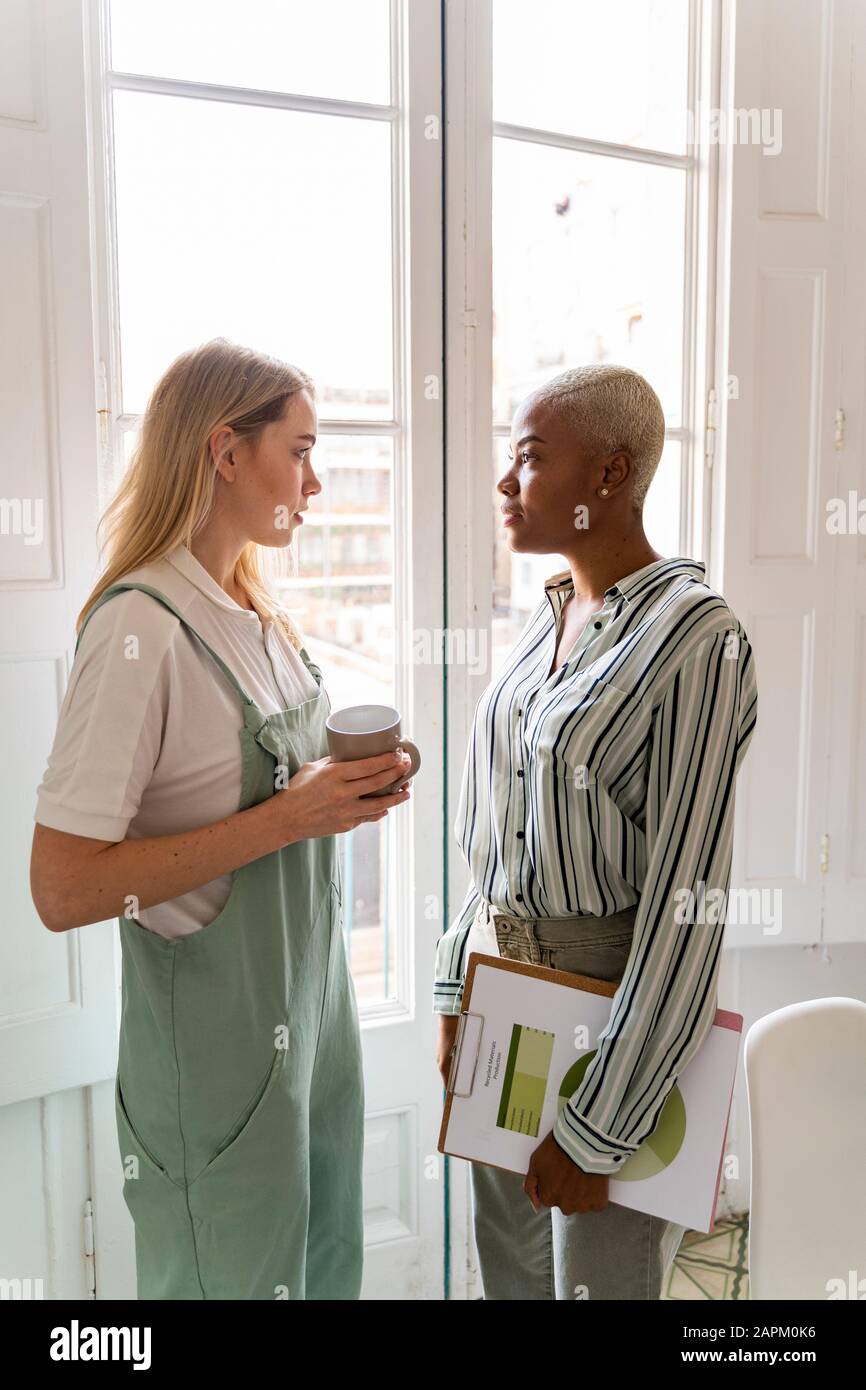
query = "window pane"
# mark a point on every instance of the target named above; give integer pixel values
(343, 596)
(615, 71)
(588, 265)
(661, 510)
(272, 45)
(243, 222)
(367, 859)
(343, 601)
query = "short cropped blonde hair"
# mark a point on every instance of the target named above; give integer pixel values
(611, 408)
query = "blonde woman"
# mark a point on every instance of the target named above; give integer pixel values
(189, 793)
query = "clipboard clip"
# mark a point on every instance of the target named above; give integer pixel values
(467, 1032)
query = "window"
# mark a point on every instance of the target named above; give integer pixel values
(591, 171)
(252, 164)
(264, 178)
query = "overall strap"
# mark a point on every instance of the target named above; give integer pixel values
(155, 593)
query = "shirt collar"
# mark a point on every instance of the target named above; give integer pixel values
(192, 569)
(640, 581)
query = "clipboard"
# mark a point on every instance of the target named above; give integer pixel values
(686, 1192)
(608, 988)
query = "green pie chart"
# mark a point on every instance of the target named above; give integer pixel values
(659, 1148)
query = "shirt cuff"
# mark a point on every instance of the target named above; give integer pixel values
(589, 1148)
(75, 822)
(447, 996)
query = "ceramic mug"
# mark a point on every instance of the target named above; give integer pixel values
(364, 731)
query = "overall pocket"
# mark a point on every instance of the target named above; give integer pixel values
(130, 1142)
(249, 1205)
(246, 1121)
(150, 1194)
(164, 1255)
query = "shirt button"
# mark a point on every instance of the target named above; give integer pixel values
(520, 834)
(519, 897)
(520, 772)
(617, 1158)
(520, 711)
(596, 624)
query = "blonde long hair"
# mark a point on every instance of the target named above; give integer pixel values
(168, 489)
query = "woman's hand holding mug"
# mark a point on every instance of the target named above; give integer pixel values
(325, 798)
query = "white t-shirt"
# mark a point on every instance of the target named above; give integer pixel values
(151, 745)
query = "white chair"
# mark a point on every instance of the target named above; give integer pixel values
(806, 1086)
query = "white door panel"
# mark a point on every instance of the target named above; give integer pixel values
(776, 562)
(58, 1002)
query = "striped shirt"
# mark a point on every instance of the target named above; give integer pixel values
(606, 784)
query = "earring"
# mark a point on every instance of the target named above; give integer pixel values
(602, 492)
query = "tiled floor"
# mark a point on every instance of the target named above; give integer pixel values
(712, 1266)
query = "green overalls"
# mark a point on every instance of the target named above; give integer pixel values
(240, 1087)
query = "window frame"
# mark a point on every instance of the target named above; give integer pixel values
(699, 169)
(470, 430)
(415, 426)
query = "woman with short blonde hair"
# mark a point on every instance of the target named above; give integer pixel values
(598, 789)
